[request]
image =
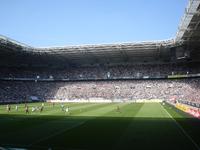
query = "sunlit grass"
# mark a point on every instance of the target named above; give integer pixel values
(96, 126)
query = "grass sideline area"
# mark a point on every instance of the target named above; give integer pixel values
(151, 126)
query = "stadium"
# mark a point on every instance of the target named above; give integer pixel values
(142, 95)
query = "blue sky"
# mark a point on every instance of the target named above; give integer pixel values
(42, 23)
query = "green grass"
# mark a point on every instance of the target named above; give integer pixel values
(99, 126)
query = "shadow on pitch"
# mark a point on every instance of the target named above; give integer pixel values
(86, 132)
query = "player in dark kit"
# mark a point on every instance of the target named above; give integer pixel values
(53, 104)
(41, 109)
(8, 107)
(118, 109)
(26, 109)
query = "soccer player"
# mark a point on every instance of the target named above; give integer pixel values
(62, 107)
(53, 104)
(16, 107)
(41, 109)
(33, 109)
(67, 109)
(36, 108)
(26, 109)
(118, 109)
(8, 108)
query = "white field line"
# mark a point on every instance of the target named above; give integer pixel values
(181, 128)
(61, 131)
(57, 133)
(64, 130)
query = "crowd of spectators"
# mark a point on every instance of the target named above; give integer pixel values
(23, 90)
(101, 72)
(20, 91)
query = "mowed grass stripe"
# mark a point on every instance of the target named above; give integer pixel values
(83, 110)
(98, 133)
(126, 110)
(100, 111)
(10, 119)
(186, 123)
(72, 108)
(153, 129)
(15, 122)
(151, 110)
(47, 108)
(183, 131)
(130, 135)
(75, 125)
(76, 111)
(33, 128)
(54, 125)
(98, 108)
(100, 126)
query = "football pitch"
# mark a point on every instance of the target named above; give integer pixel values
(139, 126)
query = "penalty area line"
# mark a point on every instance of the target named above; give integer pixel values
(181, 128)
(55, 134)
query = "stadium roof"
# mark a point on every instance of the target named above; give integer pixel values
(186, 44)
